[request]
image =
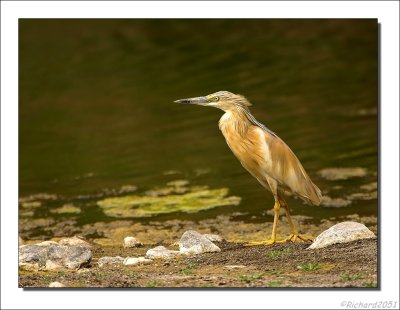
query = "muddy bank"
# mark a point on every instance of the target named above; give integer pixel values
(51, 217)
(283, 265)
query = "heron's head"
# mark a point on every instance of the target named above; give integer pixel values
(223, 100)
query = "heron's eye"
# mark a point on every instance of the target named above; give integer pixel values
(215, 99)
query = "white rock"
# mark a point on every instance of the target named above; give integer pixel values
(136, 260)
(213, 238)
(131, 242)
(342, 233)
(56, 284)
(74, 241)
(161, 252)
(108, 260)
(193, 242)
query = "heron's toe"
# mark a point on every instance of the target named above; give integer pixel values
(294, 237)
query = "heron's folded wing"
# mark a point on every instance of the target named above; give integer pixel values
(280, 163)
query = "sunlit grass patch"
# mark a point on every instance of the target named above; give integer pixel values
(188, 270)
(102, 275)
(370, 284)
(277, 254)
(309, 267)
(251, 278)
(276, 272)
(152, 283)
(207, 286)
(352, 277)
(275, 283)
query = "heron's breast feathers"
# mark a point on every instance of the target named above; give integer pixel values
(265, 155)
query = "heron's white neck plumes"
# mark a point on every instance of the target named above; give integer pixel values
(234, 121)
(240, 119)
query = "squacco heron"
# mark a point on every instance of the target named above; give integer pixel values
(262, 153)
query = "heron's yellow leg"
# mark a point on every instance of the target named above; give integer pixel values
(294, 233)
(273, 234)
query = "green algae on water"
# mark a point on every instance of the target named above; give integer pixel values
(197, 199)
(67, 209)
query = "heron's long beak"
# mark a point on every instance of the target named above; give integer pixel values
(196, 100)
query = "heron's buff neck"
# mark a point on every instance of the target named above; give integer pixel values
(235, 120)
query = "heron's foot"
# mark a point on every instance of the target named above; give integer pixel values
(294, 236)
(291, 238)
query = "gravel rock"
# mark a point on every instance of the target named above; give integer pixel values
(108, 260)
(31, 257)
(342, 233)
(214, 238)
(131, 242)
(74, 241)
(49, 257)
(193, 242)
(136, 260)
(161, 252)
(56, 284)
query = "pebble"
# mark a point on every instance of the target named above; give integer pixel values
(56, 284)
(108, 260)
(136, 260)
(50, 256)
(193, 242)
(342, 233)
(161, 252)
(131, 242)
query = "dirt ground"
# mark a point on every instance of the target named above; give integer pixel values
(278, 266)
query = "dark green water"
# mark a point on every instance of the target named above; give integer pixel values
(96, 104)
